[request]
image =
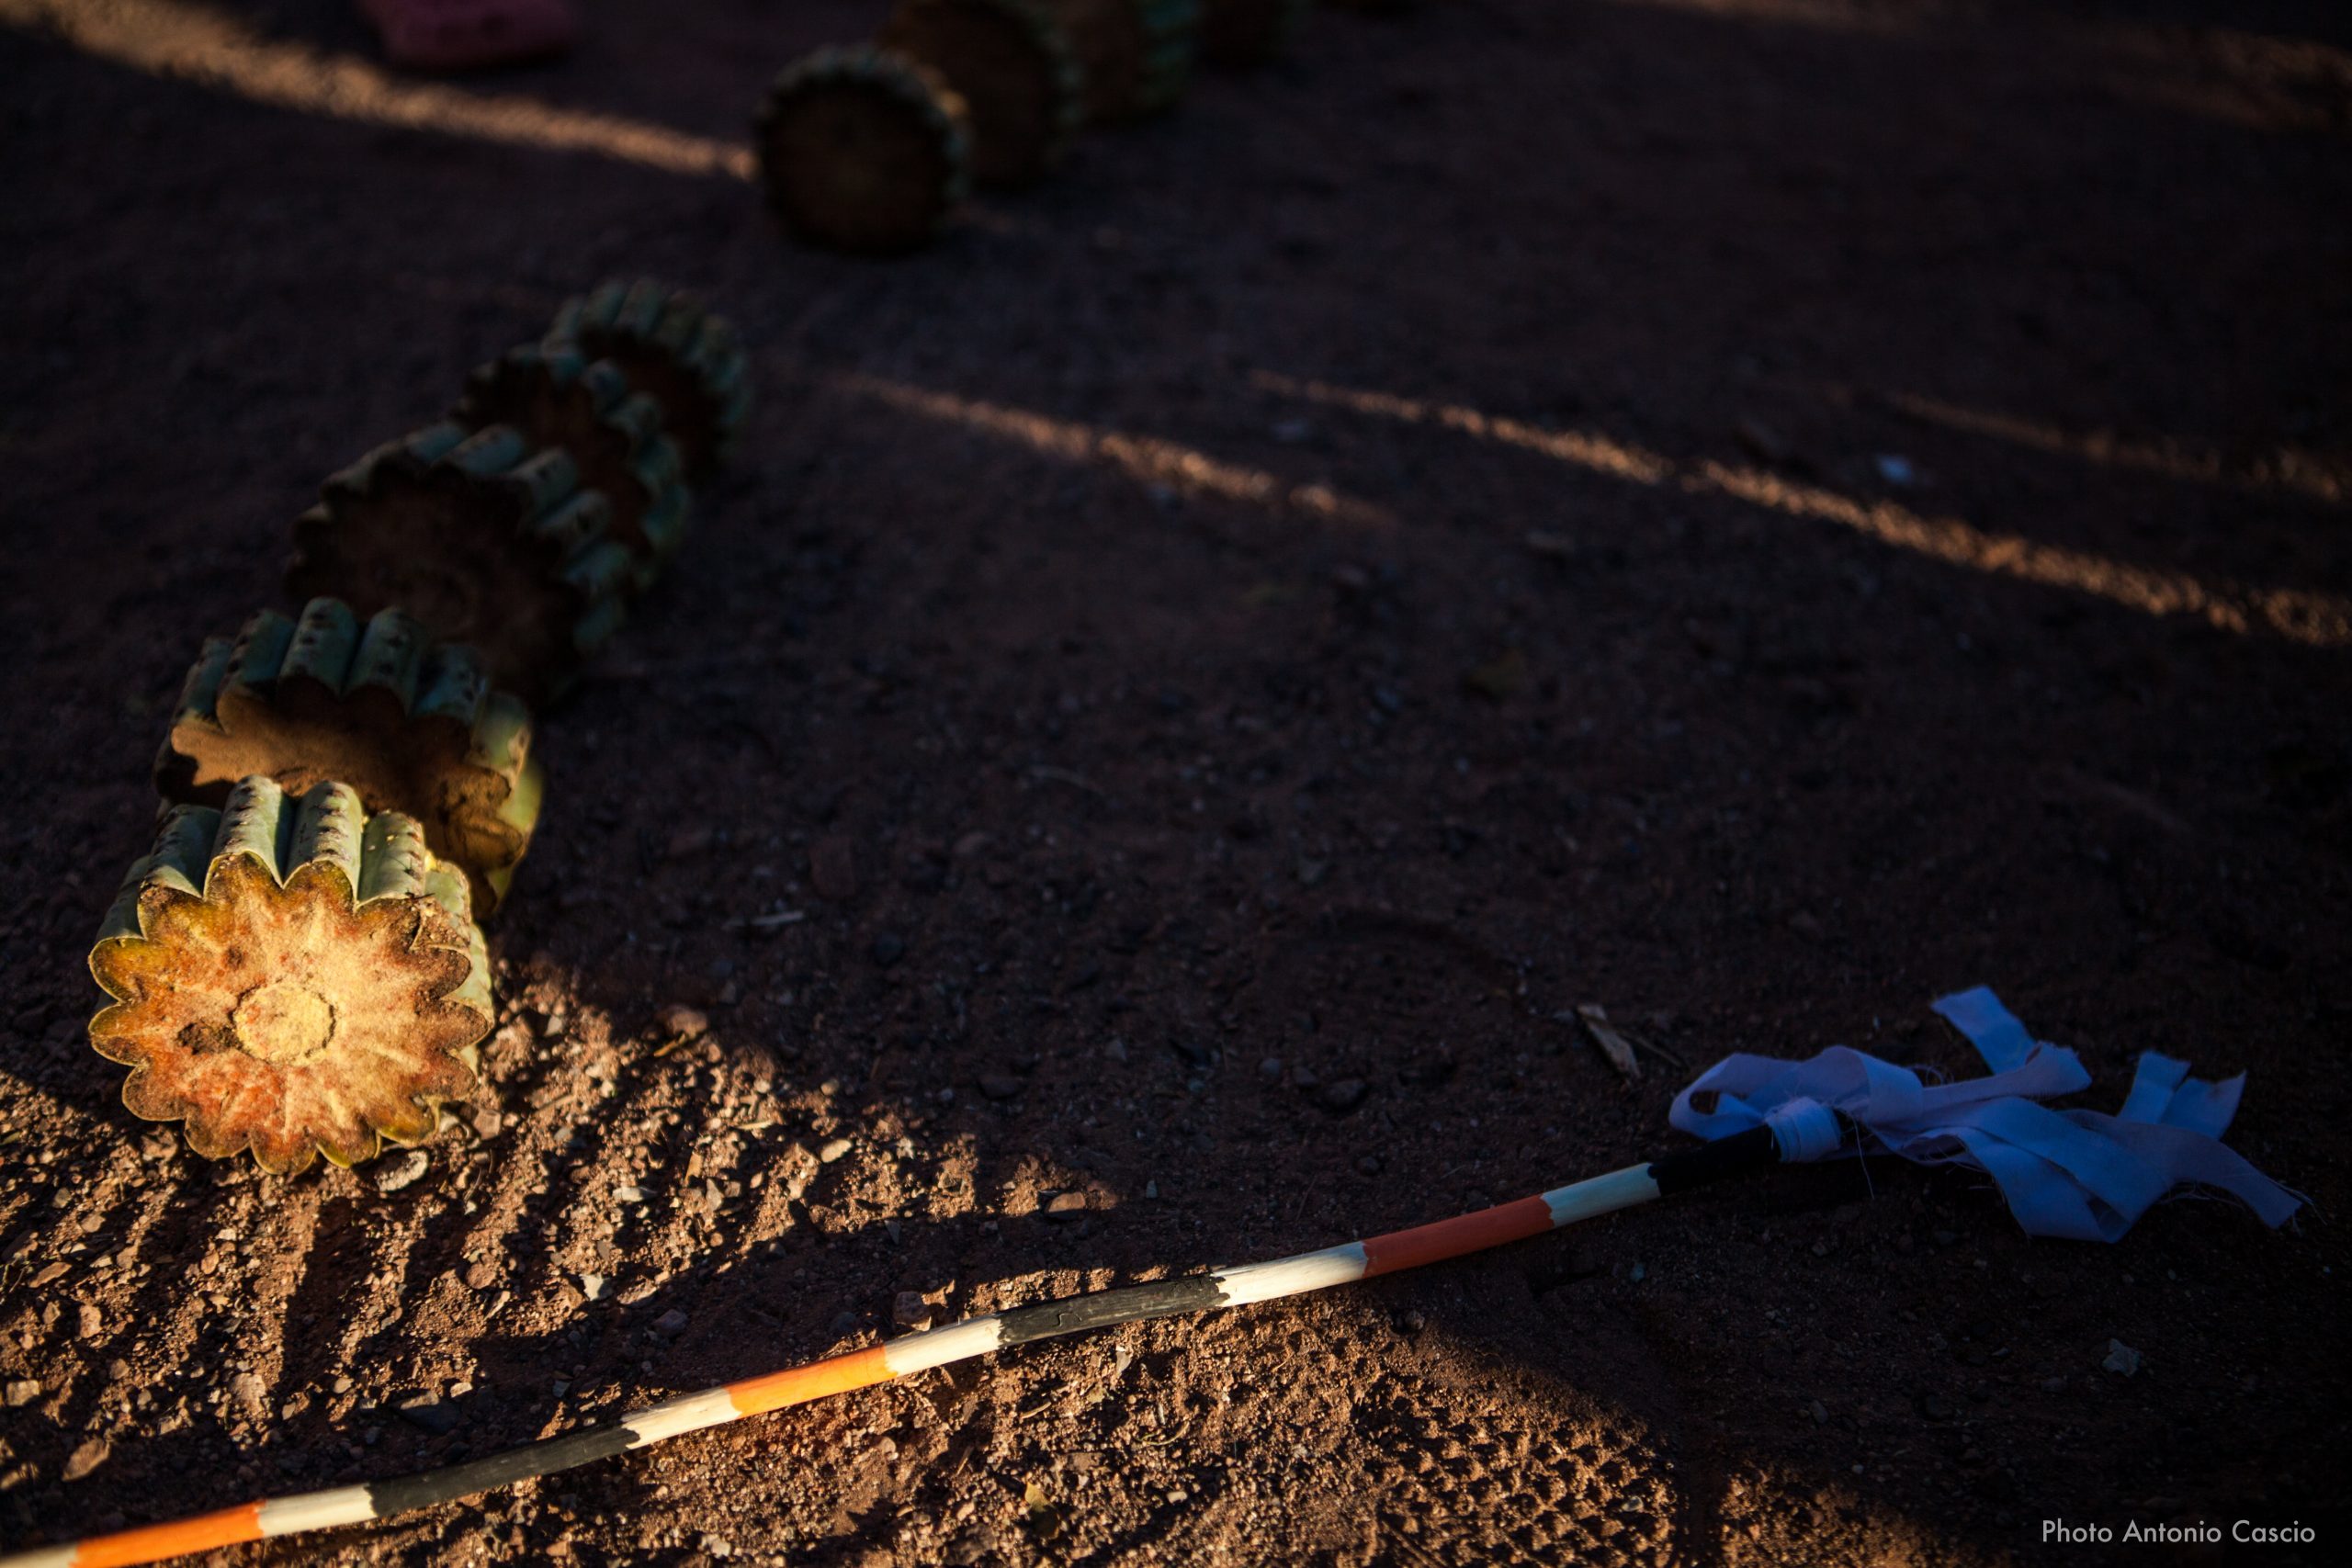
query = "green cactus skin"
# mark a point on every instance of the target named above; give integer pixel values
(414, 726)
(674, 349)
(484, 540)
(613, 433)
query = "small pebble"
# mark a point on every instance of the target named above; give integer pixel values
(888, 948)
(671, 1324)
(1342, 1095)
(833, 1150)
(1065, 1206)
(908, 1310)
(401, 1172)
(92, 1321)
(591, 1286)
(22, 1390)
(684, 1022)
(1270, 1068)
(86, 1459)
(629, 1195)
(2121, 1359)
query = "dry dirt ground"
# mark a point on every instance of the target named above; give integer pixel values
(1753, 512)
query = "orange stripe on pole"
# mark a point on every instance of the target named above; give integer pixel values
(229, 1527)
(838, 1374)
(1452, 1238)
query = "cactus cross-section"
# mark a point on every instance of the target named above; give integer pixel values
(292, 976)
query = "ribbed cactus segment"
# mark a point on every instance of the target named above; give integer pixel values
(1013, 63)
(290, 974)
(674, 350)
(1137, 55)
(414, 726)
(862, 150)
(484, 539)
(613, 435)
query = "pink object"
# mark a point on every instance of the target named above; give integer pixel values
(463, 35)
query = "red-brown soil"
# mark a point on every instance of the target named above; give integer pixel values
(1756, 514)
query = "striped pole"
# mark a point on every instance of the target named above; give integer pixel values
(1366, 1260)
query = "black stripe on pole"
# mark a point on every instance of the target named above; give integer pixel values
(390, 1497)
(1131, 1303)
(1686, 1168)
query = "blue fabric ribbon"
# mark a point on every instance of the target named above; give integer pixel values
(2077, 1174)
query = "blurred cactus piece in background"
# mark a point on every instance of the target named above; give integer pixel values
(1137, 55)
(864, 150)
(1011, 62)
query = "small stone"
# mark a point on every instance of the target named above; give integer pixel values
(2121, 1359)
(1411, 1321)
(1341, 1095)
(1820, 1414)
(682, 1022)
(481, 1277)
(591, 1286)
(248, 1391)
(629, 1195)
(1065, 1206)
(1368, 1165)
(1001, 1085)
(86, 1459)
(22, 1391)
(671, 1324)
(908, 1310)
(430, 1415)
(888, 948)
(342, 1384)
(718, 1546)
(92, 1321)
(2054, 1385)
(833, 1150)
(401, 1172)
(1637, 1273)
(832, 868)
(1270, 1069)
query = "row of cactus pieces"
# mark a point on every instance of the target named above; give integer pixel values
(295, 968)
(870, 149)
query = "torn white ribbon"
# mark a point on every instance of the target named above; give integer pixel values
(2077, 1174)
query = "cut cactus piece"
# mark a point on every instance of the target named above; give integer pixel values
(1136, 55)
(1011, 62)
(862, 150)
(557, 397)
(675, 351)
(293, 976)
(484, 538)
(1249, 32)
(412, 725)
